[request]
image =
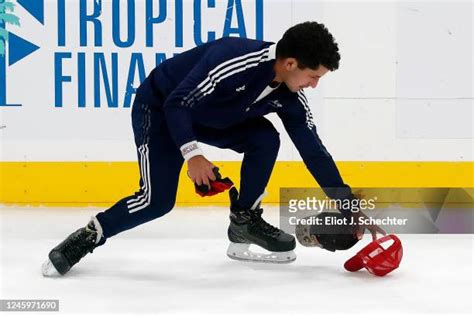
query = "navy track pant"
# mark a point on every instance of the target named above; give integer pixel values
(160, 163)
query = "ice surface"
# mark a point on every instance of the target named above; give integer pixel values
(178, 264)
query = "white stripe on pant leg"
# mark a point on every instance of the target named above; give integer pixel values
(143, 177)
(259, 200)
(140, 198)
(148, 196)
(148, 183)
(144, 196)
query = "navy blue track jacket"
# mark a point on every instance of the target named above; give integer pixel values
(216, 85)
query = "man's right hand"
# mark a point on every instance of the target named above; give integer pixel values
(200, 170)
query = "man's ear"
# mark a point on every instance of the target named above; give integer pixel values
(291, 64)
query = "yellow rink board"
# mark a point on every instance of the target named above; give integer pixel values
(103, 183)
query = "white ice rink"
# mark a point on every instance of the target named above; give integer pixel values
(177, 264)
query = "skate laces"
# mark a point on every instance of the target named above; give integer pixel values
(80, 244)
(258, 221)
(254, 218)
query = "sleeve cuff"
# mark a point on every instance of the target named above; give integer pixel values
(190, 149)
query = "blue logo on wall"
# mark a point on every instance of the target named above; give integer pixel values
(17, 48)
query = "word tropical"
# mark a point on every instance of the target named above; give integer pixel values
(88, 72)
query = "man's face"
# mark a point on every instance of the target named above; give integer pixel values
(297, 79)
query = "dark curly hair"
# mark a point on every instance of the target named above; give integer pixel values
(311, 44)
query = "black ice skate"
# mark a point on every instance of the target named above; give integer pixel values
(247, 227)
(62, 257)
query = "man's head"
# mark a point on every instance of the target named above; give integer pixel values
(306, 52)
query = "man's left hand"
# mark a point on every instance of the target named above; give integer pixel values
(374, 229)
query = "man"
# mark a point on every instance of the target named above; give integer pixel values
(218, 94)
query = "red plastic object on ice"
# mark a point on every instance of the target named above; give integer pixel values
(377, 259)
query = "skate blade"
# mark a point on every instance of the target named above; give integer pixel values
(49, 270)
(240, 251)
